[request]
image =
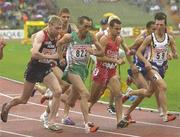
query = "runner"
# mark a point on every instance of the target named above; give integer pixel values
(155, 68)
(77, 56)
(58, 69)
(39, 70)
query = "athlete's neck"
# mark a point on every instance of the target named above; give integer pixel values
(112, 37)
(160, 34)
(50, 35)
(65, 27)
(82, 36)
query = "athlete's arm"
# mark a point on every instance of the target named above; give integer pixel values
(127, 53)
(137, 43)
(37, 42)
(173, 47)
(64, 40)
(99, 35)
(99, 51)
(145, 43)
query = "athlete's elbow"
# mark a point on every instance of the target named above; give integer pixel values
(34, 55)
(137, 53)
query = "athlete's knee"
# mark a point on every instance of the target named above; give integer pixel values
(64, 98)
(163, 87)
(57, 93)
(23, 100)
(85, 94)
(117, 94)
(146, 93)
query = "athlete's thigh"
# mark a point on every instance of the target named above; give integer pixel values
(57, 72)
(140, 81)
(114, 84)
(77, 82)
(72, 96)
(156, 79)
(152, 88)
(52, 82)
(97, 90)
(27, 91)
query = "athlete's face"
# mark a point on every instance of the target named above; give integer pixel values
(160, 26)
(116, 29)
(104, 26)
(85, 26)
(55, 29)
(65, 17)
(152, 28)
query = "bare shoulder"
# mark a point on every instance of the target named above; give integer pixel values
(148, 38)
(38, 36)
(104, 38)
(67, 36)
(171, 37)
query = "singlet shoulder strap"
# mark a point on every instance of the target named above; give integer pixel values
(69, 30)
(46, 38)
(153, 38)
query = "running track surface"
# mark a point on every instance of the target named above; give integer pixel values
(23, 120)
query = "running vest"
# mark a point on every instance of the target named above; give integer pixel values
(159, 49)
(47, 47)
(77, 49)
(111, 51)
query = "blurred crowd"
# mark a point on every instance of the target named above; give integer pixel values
(13, 13)
(174, 6)
(151, 6)
(147, 5)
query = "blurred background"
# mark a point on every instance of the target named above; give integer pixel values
(14, 13)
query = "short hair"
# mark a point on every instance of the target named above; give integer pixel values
(82, 18)
(149, 23)
(64, 10)
(112, 17)
(114, 21)
(104, 21)
(161, 16)
(53, 19)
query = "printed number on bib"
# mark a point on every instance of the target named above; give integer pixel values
(81, 53)
(160, 55)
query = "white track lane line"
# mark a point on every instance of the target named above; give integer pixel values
(103, 102)
(13, 133)
(103, 131)
(100, 116)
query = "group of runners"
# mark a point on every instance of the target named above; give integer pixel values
(59, 58)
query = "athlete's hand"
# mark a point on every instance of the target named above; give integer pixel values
(54, 56)
(90, 51)
(134, 69)
(169, 56)
(62, 62)
(53, 63)
(175, 55)
(120, 61)
(148, 66)
(130, 52)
